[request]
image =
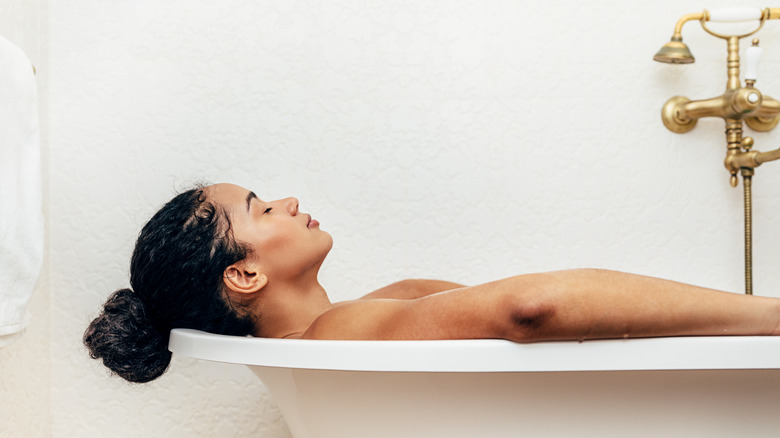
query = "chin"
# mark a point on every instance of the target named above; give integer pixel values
(330, 242)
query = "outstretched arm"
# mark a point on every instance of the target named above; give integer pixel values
(564, 305)
(591, 304)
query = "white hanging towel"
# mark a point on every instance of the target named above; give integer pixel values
(21, 216)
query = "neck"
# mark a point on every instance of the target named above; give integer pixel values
(287, 310)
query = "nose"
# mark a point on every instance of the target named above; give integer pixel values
(290, 205)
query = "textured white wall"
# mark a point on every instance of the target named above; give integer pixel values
(466, 140)
(25, 365)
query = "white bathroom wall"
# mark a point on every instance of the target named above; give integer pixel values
(465, 140)
(25, 364)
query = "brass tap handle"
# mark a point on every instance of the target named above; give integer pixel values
(752, 57)
(734, 15)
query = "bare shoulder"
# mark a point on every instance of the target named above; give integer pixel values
(383, 314)
(363, 319)
(459, 313)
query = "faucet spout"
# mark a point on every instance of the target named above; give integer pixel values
(745, 158)
(763, 157)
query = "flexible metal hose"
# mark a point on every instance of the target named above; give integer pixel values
(747, 183)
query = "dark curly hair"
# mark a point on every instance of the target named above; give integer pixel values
(176, 278)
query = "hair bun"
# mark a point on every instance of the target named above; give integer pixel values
(124, 337)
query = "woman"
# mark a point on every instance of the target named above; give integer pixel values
(220, 259)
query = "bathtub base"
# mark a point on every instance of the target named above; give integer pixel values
(668, 403)
(663, 387)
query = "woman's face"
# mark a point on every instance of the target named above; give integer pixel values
(285, 242)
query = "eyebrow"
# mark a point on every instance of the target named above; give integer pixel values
(249, 198)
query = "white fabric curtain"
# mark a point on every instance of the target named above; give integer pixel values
(21, 216)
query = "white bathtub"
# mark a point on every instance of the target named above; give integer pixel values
(668, 387)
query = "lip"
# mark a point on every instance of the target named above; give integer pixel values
(312, 222)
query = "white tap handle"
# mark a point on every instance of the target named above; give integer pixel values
(734, 14)
(752, 56)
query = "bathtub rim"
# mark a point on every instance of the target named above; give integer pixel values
(484, 355)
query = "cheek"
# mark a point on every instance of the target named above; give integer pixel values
(271, 245)
(279, 242)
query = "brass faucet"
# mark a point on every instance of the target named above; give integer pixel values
(736, 105)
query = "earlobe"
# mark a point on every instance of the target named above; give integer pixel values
(239, 277)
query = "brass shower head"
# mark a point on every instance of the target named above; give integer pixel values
(674, 52)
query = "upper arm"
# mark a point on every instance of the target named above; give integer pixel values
(412, 289)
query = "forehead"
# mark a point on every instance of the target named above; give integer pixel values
(227, 195)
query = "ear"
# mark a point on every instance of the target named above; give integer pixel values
(243, 278)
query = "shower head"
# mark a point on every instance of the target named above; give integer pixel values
(674, 52)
